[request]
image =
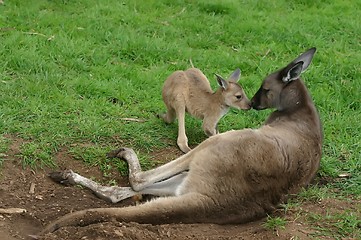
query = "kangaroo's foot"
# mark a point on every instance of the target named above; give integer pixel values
(121, 153)
(65, 177)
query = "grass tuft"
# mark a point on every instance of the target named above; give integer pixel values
(275, 223)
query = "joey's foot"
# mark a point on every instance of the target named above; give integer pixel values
(211, 132)
(184, 148)
(120, 153)
(63, 177)
(160, 115)
(164, 116)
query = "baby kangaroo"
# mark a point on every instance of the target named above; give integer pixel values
(190, 91)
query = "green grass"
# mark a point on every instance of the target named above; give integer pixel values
(275, 223)
(94, 155)
(71, 70)
(4, 147)
(336, 226)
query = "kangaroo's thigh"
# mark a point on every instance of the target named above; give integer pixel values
(168, 187)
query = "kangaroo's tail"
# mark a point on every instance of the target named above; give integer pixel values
(188, 208)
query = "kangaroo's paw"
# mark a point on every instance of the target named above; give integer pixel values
(64, 177)
(120, 152)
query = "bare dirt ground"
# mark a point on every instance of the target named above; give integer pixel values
(48, 201)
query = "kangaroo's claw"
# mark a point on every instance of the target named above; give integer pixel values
(114, 153)
(63, 177)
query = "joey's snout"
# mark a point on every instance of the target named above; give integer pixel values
(247, 105)
(243, 104)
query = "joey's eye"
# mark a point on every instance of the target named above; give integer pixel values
(239, 97)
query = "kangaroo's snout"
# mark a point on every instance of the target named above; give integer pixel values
(254, 104)
(256, 101)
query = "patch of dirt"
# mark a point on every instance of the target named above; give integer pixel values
(166, 154)
(50, 201)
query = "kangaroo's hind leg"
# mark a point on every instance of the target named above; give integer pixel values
(109, 193)
(116, 194)
(140, 180)
(161, 181)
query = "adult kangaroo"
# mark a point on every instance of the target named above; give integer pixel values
(233, 177)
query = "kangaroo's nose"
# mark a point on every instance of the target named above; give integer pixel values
(254, 104)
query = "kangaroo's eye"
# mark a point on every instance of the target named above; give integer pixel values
(239, 97)
(266, 91)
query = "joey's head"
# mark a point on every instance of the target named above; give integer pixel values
(232, 92)
(283, 89)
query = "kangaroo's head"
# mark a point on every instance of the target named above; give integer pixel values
(282, 89)
(232, 92)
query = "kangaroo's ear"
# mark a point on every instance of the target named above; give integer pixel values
(299, 65)
(221, 82)
(293, 73)
(235, 76)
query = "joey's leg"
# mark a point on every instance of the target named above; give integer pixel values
(182, 139)
(169, 116)
(139, 179)
(113, 194)
(210, 126)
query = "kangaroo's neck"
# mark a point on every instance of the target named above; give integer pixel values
(296, 106)
(210, 104)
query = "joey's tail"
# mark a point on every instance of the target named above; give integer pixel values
(190, 61)
(188, 208)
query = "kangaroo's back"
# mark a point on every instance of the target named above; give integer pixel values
(183, 85)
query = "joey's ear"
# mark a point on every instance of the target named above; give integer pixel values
(221, 82)
(299, 65)
(235, 75)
